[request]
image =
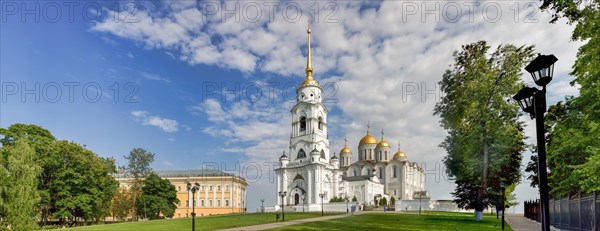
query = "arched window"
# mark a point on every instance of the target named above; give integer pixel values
(369, 171)
(380, 172)
(355, 172)
(302, 123)
(320, 123)
(322, 154)
(301, 153)
(395, 171)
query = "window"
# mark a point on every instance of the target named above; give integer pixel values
(201, 202)
(219, 203)
(368, 171)
(226, 203)
(301, 154)
(210, 188)
(355, 173)
(178, 188)
(322, 154)
(178, 203)
(187, 203)
(320, 123)
(302, 123)
(219, 188)
(395, 171)
(226, 187)
(209, 202)
(380, 172)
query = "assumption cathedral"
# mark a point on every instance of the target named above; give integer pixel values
(310, 173)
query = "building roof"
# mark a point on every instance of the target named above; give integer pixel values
(357, 178)
(186, 173)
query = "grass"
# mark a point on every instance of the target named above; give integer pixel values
(404, 221)
(202, 223)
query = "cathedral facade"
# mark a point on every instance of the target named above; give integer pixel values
(310, 172)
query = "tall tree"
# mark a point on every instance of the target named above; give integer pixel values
(18, 186)
(82, 184)
(121, 204)
(41, 141)
(138, 168)
(159, 196)
(485, 139)
(573, 147)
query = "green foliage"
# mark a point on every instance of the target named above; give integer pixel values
(383, 201)
(159, 197)
(354, 199)
(392, 201)
(82, 183)
(337, 199)
(18, 186)
(573, 126)
(122, 204)
(138, 168)
(485, 139)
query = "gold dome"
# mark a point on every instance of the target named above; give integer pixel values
(383, 143)
(399, 154)
(309, 81)
(368, 139)
(345, 150)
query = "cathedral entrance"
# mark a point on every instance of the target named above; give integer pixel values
(296, 199)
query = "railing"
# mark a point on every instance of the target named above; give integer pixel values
(581, 213)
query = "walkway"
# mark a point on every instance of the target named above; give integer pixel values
(286, 223)
(518, 222)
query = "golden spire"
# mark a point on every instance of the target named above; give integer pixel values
(309, 81)
(308, 63)
(345, 141)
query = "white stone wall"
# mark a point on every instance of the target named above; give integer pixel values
(428, 205)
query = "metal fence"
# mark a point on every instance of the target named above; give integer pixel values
(581, 213)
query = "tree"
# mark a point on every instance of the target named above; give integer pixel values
(392, 201)
(82, 184)
(158, 197)
(485, 139)
(532, 168)
(41, 141)
(121, 204)
(354, 199)
(573, 149)
(138, 168)
(18, 186)
(383, 201)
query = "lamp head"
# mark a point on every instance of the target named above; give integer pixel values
(542, 69)
(525, 99)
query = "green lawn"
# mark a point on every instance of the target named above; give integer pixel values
(202, 223)
(401, 221)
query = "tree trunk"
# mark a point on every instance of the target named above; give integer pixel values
(486, 161)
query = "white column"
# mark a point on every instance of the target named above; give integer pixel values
(231, 195)
(309, 187)
(222, 195)
(206, 195)
(214, 196)
(285, 185)
(278, 188)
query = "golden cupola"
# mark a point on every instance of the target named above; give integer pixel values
(345, 149)
(383, 143)
(399, 154)
(309, 81)
(368, 138)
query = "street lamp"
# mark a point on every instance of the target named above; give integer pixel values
(193, 188)
(533, 101)
(303, 201)
(321, 195)
(262, 207)
(347, 200)
(282, 195)
(503, 187)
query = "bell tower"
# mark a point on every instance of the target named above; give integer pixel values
(309, 119)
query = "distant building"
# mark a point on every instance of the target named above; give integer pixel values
(219, 192)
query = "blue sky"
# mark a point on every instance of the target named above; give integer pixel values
(152, 74)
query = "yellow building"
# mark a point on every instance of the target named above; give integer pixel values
(218, 193)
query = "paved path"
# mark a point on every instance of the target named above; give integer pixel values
(518, 222)
(286, 223)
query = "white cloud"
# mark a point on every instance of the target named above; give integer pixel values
(144, 117)
(130, 55)
(156, 77)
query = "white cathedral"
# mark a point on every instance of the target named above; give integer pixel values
(309, 173)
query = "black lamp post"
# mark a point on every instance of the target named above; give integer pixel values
(262, 207)
(533, 101)
(347, 200)
(282, 195)
(193, 188)
(303, 201)
(321, 195)
(503, 187)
